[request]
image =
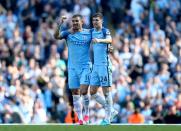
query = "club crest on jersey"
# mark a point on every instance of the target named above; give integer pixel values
(107, 32)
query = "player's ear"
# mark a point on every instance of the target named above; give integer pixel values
(102, 21)
(82, 21)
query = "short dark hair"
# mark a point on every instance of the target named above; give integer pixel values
(98, 15)
(77, 15)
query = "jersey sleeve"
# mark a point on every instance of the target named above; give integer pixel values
(64, 34)
(108, 33)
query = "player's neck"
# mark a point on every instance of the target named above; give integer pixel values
(77, 30)
(98, 28)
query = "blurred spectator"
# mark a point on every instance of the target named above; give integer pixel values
(125, 112)
(173, 116)
(71, 119)
(158, 114)
(136, 117)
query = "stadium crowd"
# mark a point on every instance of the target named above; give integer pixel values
(146, 60)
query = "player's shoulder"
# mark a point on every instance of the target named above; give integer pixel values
(65, 33)
(86, 31)
(106, 31)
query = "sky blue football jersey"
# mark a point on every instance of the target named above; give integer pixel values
(100, 50)
(78, 47)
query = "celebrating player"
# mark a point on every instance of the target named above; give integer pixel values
(101, 74)
(78, 42)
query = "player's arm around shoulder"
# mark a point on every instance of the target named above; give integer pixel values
(105, 40)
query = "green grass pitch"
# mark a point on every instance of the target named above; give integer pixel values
(90, 128)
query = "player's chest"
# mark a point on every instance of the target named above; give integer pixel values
(97, 35)
(79, 37)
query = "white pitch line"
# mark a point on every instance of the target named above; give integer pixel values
(64, 124)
